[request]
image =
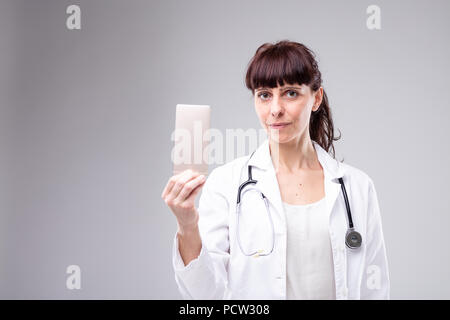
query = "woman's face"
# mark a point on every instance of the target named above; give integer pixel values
(291, 105)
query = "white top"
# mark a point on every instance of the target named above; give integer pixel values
(309, 260)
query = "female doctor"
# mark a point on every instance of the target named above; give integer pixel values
(305, 227)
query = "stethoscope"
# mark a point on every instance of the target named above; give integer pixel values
(353, 238)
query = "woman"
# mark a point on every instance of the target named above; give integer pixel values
(293, 245)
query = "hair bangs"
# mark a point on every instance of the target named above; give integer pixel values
(274, 68)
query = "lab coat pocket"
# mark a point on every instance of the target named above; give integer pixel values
(254, 224)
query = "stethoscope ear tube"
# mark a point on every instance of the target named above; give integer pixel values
(256, 253)
(249, 181)
(349, 214)
(353, 239)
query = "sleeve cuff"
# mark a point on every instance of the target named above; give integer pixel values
(178, 263)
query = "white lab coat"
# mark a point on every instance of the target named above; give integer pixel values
(221, 271)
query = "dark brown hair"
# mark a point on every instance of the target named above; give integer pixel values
(293, 63)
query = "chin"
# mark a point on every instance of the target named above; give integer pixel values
(281, 138)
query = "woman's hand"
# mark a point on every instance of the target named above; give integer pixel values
(179, 194)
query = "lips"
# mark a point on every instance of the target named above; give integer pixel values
(279, 125)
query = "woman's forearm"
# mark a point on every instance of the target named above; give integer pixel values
(189, 243)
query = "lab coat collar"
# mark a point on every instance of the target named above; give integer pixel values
(268, 182)
(262, 159)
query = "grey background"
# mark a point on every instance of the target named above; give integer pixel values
(86, 117)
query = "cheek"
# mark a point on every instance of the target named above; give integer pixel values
(261, 112)
(300, 114)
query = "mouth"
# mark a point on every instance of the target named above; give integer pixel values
(279, 125)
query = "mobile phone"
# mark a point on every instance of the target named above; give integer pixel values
(191, 138)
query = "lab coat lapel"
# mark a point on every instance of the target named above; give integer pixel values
(332, 171)
(266, 177)
(268, 182)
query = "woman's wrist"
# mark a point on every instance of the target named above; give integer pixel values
(188, 229)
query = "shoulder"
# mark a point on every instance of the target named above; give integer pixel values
(356, 177)
(361, 187)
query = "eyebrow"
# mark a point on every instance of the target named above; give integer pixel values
(284, 88)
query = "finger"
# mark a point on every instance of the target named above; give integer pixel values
(186, 176)
(171, 183)
(196, 191)
(189, 187)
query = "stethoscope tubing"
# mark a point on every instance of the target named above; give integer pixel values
(353, 239)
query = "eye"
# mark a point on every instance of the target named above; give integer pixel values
(262, 96)
(292, 91)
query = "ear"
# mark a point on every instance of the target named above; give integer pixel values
(318, 95)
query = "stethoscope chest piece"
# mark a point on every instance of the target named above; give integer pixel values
(353, 239)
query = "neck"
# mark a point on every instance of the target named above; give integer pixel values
(294, 155)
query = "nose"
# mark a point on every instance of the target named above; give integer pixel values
(276, 108)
